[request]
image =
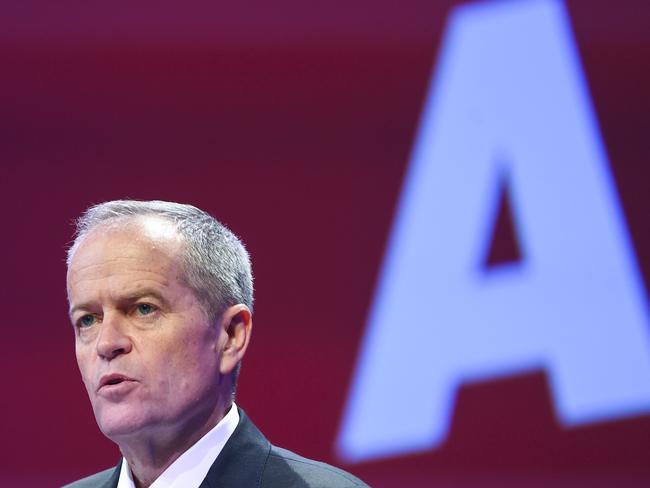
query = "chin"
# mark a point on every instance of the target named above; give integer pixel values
(120, 420)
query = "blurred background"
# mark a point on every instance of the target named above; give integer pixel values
(294, 124)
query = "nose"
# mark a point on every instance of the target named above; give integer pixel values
(112, 340)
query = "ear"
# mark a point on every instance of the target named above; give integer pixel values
(234, 336)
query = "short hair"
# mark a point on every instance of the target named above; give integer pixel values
(215, 262)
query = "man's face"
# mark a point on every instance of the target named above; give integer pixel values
(147, 354)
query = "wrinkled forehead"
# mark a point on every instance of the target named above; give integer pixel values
(124, 238)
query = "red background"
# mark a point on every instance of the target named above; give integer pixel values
(292, 123)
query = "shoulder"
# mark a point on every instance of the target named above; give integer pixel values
(249, 459)
(285, 468)
(97, 480)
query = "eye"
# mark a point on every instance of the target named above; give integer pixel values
(145, 309)
(86, 321)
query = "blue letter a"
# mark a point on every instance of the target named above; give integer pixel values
(509, 98)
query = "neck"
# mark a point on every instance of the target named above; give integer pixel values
(150, 455)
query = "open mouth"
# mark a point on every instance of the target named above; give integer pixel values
(112, 380)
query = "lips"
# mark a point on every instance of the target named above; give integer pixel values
(113, 379)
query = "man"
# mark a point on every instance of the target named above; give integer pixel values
(161, 299)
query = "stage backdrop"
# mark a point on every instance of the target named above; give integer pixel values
(446, 207)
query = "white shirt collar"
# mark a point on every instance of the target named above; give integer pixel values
(191, 468)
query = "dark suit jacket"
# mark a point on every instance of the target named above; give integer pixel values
(248, 460)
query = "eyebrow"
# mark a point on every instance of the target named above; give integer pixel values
(126, 298)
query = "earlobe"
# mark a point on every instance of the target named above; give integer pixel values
(236, 326)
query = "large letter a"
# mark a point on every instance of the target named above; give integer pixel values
(508, 99)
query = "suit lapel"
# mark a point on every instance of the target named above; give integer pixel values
(242, 460)
(111, 482)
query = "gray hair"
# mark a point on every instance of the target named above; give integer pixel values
(217, 266)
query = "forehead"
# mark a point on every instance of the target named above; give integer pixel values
(149, 244)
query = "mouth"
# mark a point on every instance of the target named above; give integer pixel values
(112, 380)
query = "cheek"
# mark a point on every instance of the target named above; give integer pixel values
(190, 371)
(184, 368)
(85, 368)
